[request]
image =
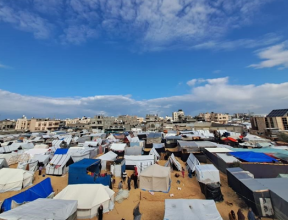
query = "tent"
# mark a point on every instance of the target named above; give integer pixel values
(91, 143)
(156, 178)
(87, 171)
(133, 150)
(118, 167)
(41, 190)
(154, 152)
(154, 138)
(90, 197)
(61, 151)
(186, 209)
(79, 153)
(42, 159)
(41, 146)
(14, 179)
(11, 158)
(36, 151)
(250, 156)
(30, 165)
(142, 162)
(43, 209)
(109, 156)
(3, 163)
(192, 161)
(173, 163)
(59, 164)
(118, 147)
(207, 173)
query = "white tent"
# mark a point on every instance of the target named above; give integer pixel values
(186, 209)
(58, 165)
(89, 197)
(155, 153)
(36, 151)
(43, 209)
(173, 161)
(118, 147)
(91, 143)
(142, 162)
(192, 161)
(79, 153)
(22, 145)
(41, 146)
(14, 179)
(3, 163)
(42, 159)
(30, 165)
(11, 158)
(207, 173)
(156, 178)
(109, 156)
(133, 150)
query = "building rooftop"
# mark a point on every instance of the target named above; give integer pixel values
(278, 113)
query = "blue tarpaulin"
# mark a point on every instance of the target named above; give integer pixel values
(41, 190)
(61, 151)
(251, 156)
(87, 171)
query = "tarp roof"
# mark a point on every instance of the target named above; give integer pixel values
(118, 147)
(251, 156)
(84, 163)
(61, 151)
(186, 209)
(42, 209)
(108, 156)
(218, 150)
(227, 158)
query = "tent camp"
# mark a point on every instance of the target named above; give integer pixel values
(109, 156)
(87, 171)
(186, 209)
(41, 190)
(43, 209)
(142, 162)
(90, 197)
(155, 178)
(3, 163)
(59, 164)
(14, 179)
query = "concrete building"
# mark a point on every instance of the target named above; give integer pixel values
(258, 124)
(83, 120)
(214, 117)
(177, 116)
(277, 119)
(7, 124)
(39, 124)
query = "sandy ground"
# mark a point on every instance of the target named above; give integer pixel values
(152, 206)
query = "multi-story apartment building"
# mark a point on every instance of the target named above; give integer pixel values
(177, 116)
(37, 124)
(7, 124)
(214, 117)
(83, 120)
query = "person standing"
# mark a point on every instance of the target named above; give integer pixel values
(183, 172)
(135, 181)
(240, 215)
(120, 185)
(40, 170)
(100, 212)
(251, 215)
(124, 176)
(129, 182)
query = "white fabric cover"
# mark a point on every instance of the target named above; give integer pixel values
(228, 158)
(79, 153)
(192, 161)
(187, 209)
(207, 173)
(158, 145)
(57, 165)
(118, 147)
(14, 179)
(154, 152)
(41, 146)
(109, 156)
(155, 178)
(42, 158)
(142, 162)
(36, 151)
(91, 143)
(42, 209)
(218, 150)
(89, 197)
(30, 165)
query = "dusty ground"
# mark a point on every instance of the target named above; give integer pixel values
(152, 206)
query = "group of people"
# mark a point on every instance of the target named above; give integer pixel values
(241, 216)
(133, 177)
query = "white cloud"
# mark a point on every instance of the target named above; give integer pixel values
(152, 24)
(192, 82)
(273, 56)
(213, 95)
(217, 71)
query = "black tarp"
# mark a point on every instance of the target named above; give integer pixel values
(212, 191)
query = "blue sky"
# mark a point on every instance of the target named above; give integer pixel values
(68, 58)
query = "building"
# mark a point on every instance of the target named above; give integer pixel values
(177, 116)
(277, 119)
(7, 124)
(258, 124)
(140, 120)
(39, 124)
(83, 120)
(214, 117)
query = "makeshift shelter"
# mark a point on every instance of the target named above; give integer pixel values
(141, 162)
(79, 153)
(11, 158)
(107, 158)
(173, 163)
(118, 167)
(41, 190)
(87, 171)
(118, 148)
(91, 143)
(207, 173)
(59, 164)
(36, 151)
(154, 152)
(41, 146)
(192, 161)
(133, 150)
(30, 165)
(3, 163)
(186, 209)
(154, 138)
(155, 178)
(43, 209)
(89, 197)
(61, 151)
(42, 159)
(14, 179)
(250, 156)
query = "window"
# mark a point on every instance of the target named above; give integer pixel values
(271, 122)
(266, 123)
(284, 120)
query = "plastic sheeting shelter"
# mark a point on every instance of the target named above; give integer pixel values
(59, 164)
(118, 167)
(173, 163)
(61, 151)
(186, 209)
(90, 197)
(253, 157)
(30, 165)
(142, 162)
(207, 173)
(86, 171)
(109, 156)
(133, 150)
(43, 209)
(192, 161)
(40, 190)
(154, 138)
(14, 179)
(42, 159)
(156, 178)
(3, 163)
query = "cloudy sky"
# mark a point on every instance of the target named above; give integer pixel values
(69, 58)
